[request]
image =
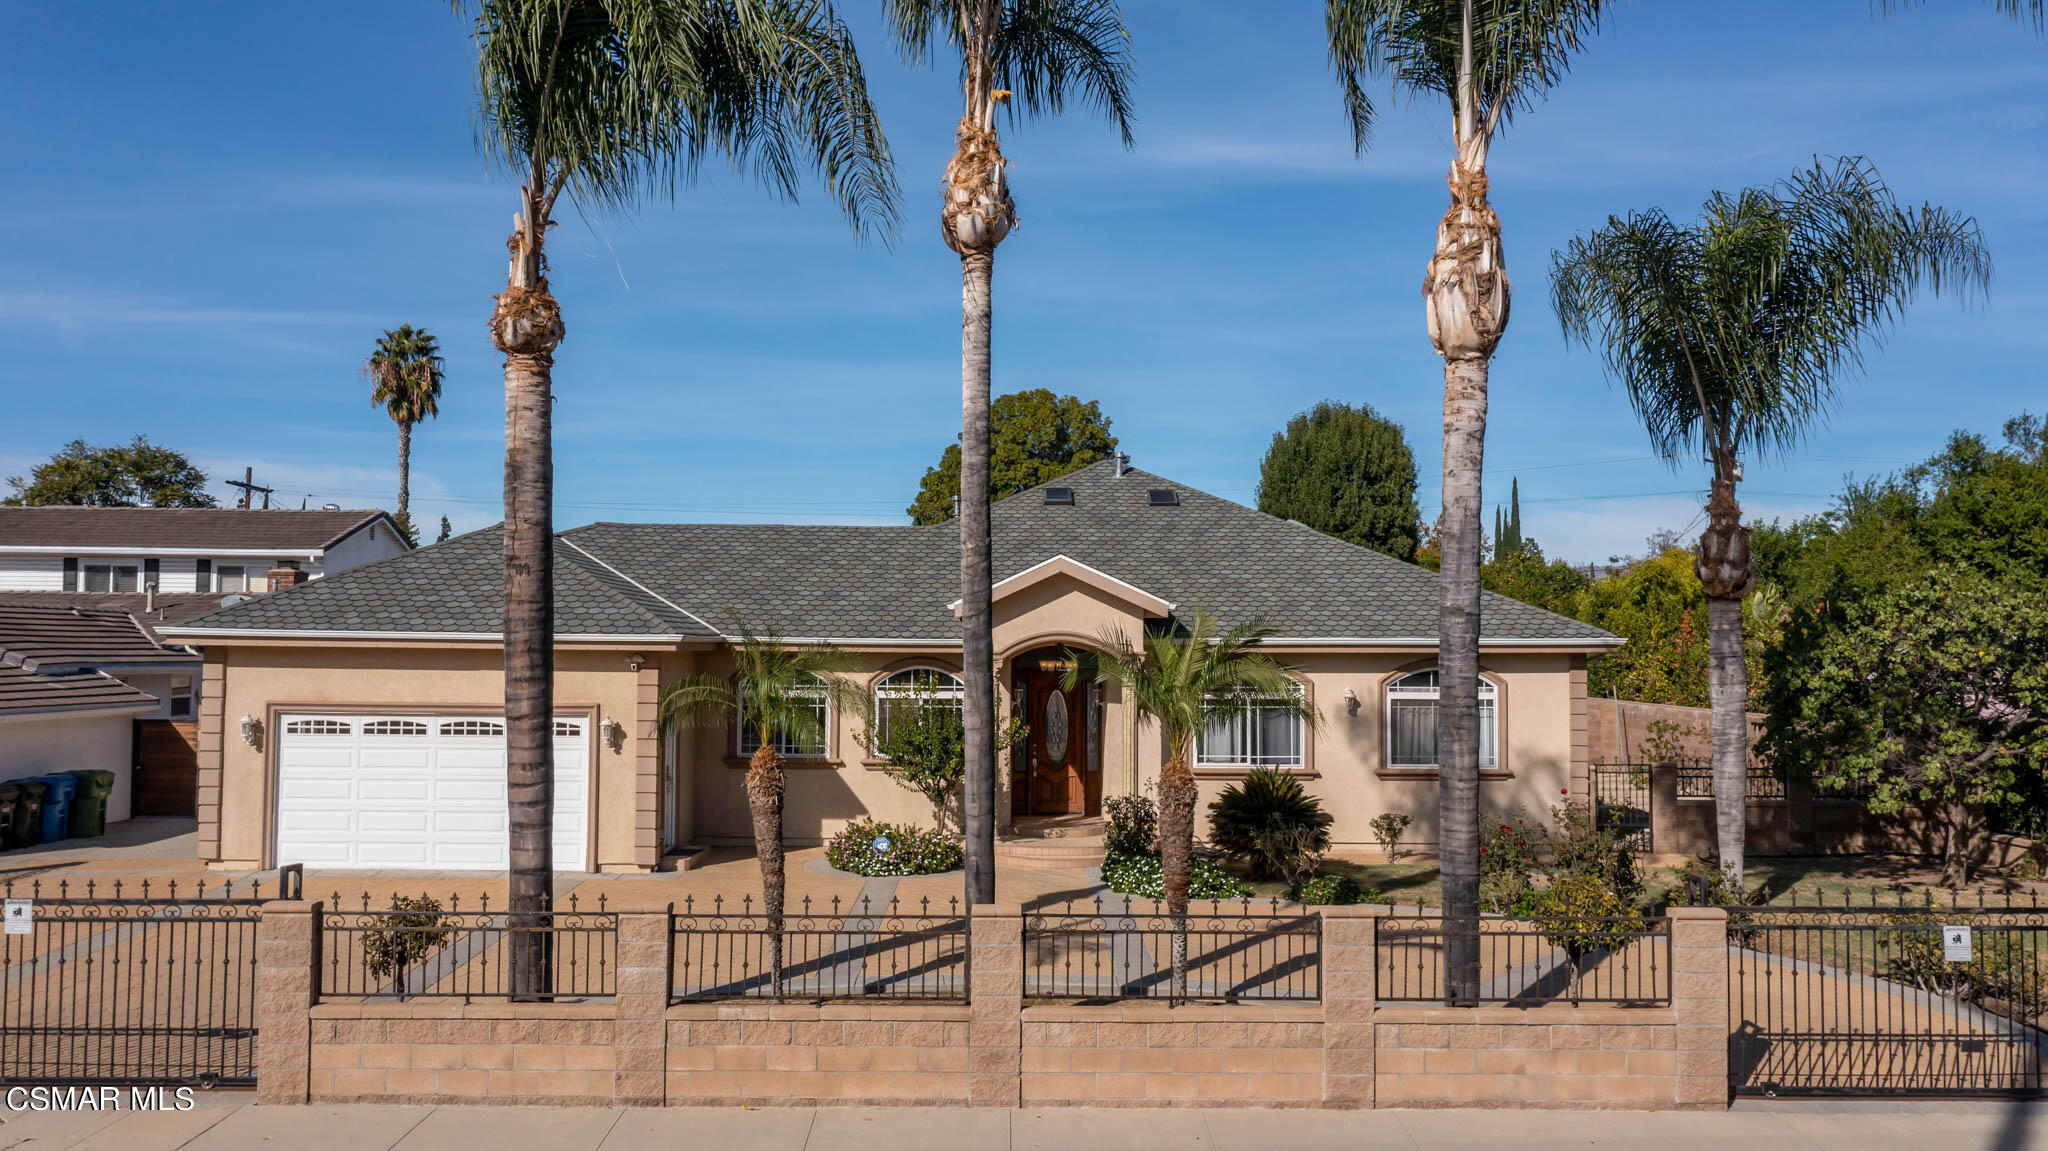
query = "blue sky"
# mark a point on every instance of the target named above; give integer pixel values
(216, 208)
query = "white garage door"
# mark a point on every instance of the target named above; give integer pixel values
(362, 791)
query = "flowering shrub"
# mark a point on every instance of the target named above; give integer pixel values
(1507, 863)
(1140, 873)
(868, 847)
(1325, 890)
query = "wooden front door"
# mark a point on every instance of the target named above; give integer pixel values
(1057, 746)
(167, 756)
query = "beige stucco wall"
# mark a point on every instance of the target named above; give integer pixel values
(46, 745)
(261, 681)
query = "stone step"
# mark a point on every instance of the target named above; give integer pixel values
(1076, 852)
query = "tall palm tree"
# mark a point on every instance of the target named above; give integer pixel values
(1035, 55)
(606, 101)
(778, 695)
(1729, 334)
(1489, 59)
(1181, 679)
(405, 380)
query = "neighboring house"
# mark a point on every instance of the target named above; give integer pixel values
(77, 688)
(207, 551)
(358, 722)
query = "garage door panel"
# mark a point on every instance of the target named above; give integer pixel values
(396, 793)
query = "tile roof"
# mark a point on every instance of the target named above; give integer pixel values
(267, 529)
(56, 639)
(167, 608)
(27, 693)
(896, 582)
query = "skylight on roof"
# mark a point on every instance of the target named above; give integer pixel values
(1059, 495)
(1163, 497)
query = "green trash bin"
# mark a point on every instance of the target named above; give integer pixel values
(10, 798)
(28, 812)
(89, 803)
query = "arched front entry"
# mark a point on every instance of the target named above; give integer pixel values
(1057, 768)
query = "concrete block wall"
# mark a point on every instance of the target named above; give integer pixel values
(451, 1051)
(809, 1055)
(1552, 1056)
(1149, 1054)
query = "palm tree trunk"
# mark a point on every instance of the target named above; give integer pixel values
(1457, 754)
(1726, 576)
(404, 470)
(977, 640)
(1176, 856)
(764, 801)
(526, 326)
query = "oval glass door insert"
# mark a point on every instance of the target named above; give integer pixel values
(1056, 726)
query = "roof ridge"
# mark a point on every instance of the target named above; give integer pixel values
(608, 566)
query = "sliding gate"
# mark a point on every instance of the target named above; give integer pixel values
(1891, 998)
(101, 985)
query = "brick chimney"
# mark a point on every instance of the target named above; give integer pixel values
(286, 574)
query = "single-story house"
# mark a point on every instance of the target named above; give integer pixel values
(74, 682)
(356, 721)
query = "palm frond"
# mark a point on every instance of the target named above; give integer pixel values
(1180, 678)
(915, 26)
(405, 373)
(611, 101)
(2034, 12)
(1047, 51)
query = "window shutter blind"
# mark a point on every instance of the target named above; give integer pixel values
(71, 574)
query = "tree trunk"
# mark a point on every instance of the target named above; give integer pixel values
(1726, 576)
(977, 640)
(526, 326)
(1959, 846)
(764, 801)
(1457, 754)
(1176, 855)
(404, 469)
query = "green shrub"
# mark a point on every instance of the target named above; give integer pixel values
(1572, 912)
(1140, 873)
(1133, 824)
(1579, 847)
(406, 937)
(2001, 970)
(1508, 849)
(867, 847)
(1388, 828)
(1329, 890)
(1269, 820)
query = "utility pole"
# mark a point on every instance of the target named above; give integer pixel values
(249, 488)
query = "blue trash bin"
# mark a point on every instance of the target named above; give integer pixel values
(57, 806)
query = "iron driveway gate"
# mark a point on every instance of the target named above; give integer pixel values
(1897, 997)
(1621, 801)
(154, 988)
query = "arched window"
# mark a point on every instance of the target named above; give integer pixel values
(789, 746)
(1411, 721)
(900, 693)
(1250, 735)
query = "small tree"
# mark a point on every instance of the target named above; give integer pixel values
(1345, 471)
(1935, 696)
(134, 474)
(1388, 827)
(926, 746)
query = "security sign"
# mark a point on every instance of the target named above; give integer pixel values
(21, 917)
(1955, 943)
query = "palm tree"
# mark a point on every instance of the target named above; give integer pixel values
(2033, 12)
(780, 696)
(1033, 54)
(1729, 334)
(1180, 680)
(605, 101)
(405, 380)
(1489, 59)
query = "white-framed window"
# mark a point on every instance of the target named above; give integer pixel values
(568, 727)
(111, 576)
(394, 727)
(1250, 735)
(318, 727)
(749, 739)
(181, 697)
(1411, 721)
(231, 578)
(899, 693)
(468, 727)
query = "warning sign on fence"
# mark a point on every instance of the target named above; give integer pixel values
(1955, 943)
(21, 917)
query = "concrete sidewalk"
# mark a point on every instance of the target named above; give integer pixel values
(224, 1122)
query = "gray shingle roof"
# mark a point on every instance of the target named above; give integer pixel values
(26, 693)
(53, 638)
(817, 581)
(265, 529)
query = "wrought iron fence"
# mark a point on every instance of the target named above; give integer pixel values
(422, 949)
(850, 951)
(1891, 993)
(1696, 781)
(1621, 801)
(1525, 962)
(133, 983)
(1094, 952)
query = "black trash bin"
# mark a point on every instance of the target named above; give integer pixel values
(10, 798)
(28, 812)
(89, 804)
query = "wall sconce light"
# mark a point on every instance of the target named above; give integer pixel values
(635, 660)
(614, 735)
(252, 730)
(1350, 702)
